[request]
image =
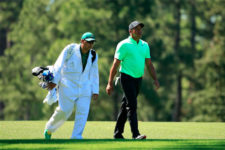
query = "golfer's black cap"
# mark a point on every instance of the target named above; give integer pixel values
(134, 24)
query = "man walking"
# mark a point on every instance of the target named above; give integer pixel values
(132, 54)
(77, 80)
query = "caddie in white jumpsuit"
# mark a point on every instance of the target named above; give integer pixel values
(77, 80)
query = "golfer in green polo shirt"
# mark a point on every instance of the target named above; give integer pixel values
(132, 55)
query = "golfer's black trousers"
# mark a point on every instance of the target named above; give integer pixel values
(128, 108)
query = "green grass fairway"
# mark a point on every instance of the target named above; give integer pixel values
(28, 135)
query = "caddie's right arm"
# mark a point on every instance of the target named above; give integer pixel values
(57, 67)
(113, 71)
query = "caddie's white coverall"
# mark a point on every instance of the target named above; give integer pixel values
(75, 88)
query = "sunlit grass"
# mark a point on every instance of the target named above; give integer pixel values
(98, 135)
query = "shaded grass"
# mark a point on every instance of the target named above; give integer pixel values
(149, 144)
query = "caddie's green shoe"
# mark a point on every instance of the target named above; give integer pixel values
(47, 135)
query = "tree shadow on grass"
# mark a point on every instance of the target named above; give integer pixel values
(154, 144)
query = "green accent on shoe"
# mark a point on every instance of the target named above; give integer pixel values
(47, 136)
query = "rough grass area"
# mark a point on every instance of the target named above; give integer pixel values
(24, 135)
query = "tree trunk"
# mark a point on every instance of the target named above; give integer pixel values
(3, 41)
(193, 25)
(2, 106)
(3, 44)
(178, 100)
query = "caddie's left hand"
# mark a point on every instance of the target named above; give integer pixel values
(95, 96)
(51, 85)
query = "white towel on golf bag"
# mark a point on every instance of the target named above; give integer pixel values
(51, 97)
(52, 94)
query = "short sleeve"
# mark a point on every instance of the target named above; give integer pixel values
(147, 51)
(120, 51)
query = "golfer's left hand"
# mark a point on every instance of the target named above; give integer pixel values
(95, 96)
(156, 82)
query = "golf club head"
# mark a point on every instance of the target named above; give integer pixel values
(37, 70)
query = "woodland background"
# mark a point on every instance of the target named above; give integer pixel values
(186, 38)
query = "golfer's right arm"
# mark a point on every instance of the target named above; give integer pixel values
(112, 74)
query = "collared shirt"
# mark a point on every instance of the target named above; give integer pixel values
(132, 56)
(84, 58)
